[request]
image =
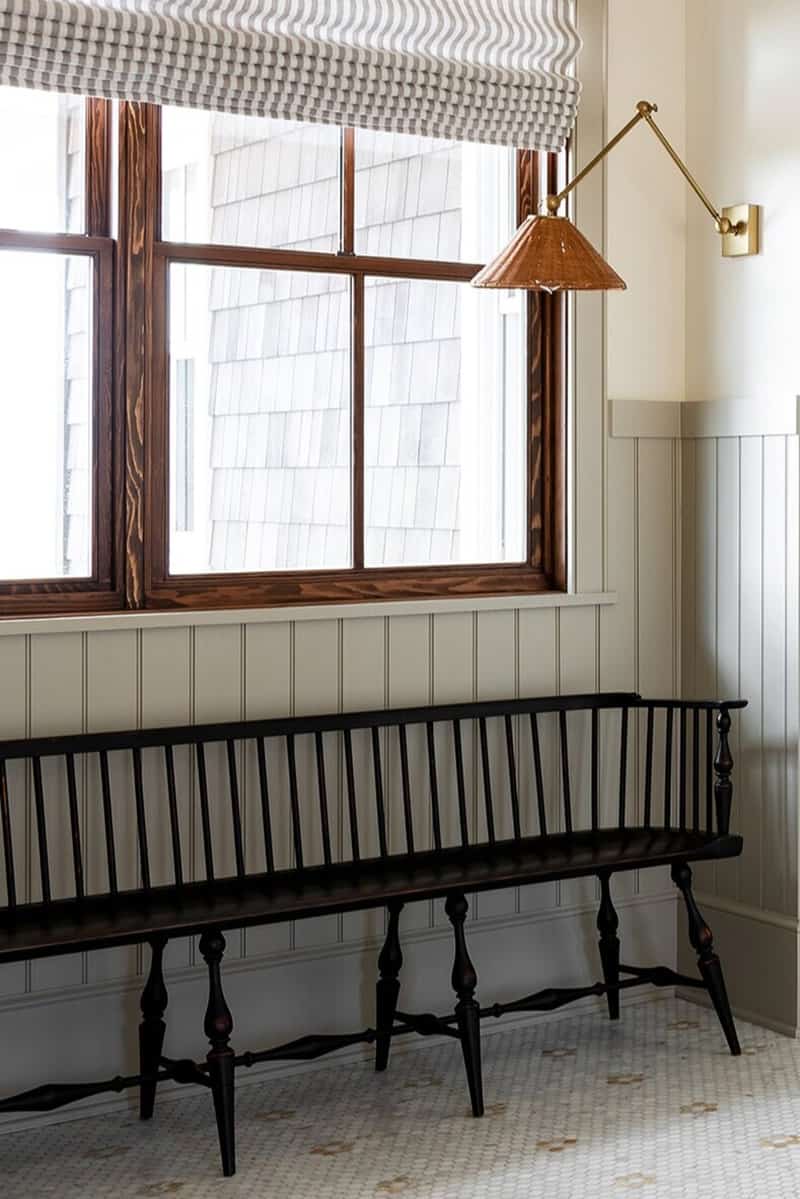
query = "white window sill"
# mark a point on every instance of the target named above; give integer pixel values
(15, 626)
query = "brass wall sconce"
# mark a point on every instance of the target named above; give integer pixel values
(547, 253)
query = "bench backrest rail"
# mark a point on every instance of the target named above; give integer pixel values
(499, 782)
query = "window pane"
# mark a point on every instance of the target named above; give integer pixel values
(423, 197)
(249, 181)
(259, 420)
(42, 149)
(444, 424)
(45, 415)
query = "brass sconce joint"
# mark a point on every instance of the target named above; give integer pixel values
(726, 226)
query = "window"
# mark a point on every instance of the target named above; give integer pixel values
(46, 430)
(310, 402)
(364, 423)
(56, 262)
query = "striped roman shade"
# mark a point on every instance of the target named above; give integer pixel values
(498, 71)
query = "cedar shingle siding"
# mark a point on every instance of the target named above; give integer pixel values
(280, 354)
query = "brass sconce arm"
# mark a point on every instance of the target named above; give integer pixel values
(738, 222)
(547, 253)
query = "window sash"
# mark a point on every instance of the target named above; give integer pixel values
(131, 408)
(100, 591)
(539, 571)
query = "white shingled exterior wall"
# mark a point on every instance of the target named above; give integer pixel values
(280, 356)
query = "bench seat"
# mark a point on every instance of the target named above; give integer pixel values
(67, 926)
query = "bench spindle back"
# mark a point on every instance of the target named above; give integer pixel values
(505, 775)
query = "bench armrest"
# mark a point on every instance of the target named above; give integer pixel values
(723, 758)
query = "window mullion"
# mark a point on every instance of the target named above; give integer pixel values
(357, 465)
(348, 190)
(527, 183)
(348, 222)
(139, 205)
(553, 422)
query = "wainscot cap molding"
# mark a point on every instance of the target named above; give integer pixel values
(16, 626)
(734, 417)
(776, 416)
(645, 418)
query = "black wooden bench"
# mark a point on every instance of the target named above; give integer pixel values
(562, 788)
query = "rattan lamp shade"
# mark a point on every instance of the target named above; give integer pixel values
(547, 253)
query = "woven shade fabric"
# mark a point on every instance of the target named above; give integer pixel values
(548, 253)
(497, 71)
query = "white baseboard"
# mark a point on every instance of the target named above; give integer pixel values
(759, 955)
(701, 999)
(747, 912)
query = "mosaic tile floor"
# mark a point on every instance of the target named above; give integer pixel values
(576, 1109)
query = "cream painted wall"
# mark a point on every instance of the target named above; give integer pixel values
(741, 317)
(646, 202)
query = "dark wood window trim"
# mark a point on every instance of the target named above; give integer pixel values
(547, 393)
(101, 591)
(131, 404)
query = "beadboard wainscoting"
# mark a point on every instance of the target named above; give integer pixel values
(740, 616)
(739, 500)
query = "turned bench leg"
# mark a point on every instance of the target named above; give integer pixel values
(152, 1028)
(467, 1010)
(607, 925)
(387, 989)
(708, 963)
(218, 1028)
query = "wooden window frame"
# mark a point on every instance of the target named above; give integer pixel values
(131, 402)
(101, 591)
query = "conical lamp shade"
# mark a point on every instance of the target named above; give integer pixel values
(547, 253)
